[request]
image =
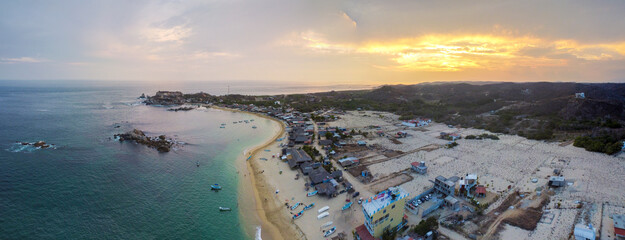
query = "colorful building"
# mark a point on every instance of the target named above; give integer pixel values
(384, 211)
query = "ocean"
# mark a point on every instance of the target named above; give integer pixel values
(89, 186)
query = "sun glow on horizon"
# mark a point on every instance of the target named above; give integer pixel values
(451, 53)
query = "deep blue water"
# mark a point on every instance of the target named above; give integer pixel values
(92, 187)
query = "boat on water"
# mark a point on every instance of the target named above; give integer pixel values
(310, 194)
(298, 215)
(309, 206)
(198, 163)
(223, 209)
(296, 205)
(215, 187)
(325, 214)
(323, 209)
(347, 206)
(329, 232)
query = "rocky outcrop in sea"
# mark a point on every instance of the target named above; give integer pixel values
(160, 143)
(30, 146)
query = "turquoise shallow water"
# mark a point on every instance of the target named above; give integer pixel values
(92, 187)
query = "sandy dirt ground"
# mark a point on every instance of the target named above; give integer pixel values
(511, 161)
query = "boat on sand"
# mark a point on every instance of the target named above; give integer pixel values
(347, 206)
(295, 206)
(323, 209)
(309, 206)
(329, 232)
(298, 215)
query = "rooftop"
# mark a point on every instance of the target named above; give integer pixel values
(363, 233)
(451, 200)
(554, 178)
(619, 221)
(383, 199)
(584, 231)
(480, 189)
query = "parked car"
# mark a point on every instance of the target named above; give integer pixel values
(342, 191)
(356, 194)
(360, 201)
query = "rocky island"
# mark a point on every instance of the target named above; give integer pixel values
(160, 143)
(38, 144)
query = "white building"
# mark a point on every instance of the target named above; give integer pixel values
(583, 232)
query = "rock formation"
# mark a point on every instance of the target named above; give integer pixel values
(166, 98)
(160, 143)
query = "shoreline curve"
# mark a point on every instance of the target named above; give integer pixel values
(276, 223)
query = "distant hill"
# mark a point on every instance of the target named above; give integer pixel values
(591, 113)
(541, 110)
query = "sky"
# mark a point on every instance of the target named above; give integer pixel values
(313, 42)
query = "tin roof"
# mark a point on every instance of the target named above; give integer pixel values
(383, 199)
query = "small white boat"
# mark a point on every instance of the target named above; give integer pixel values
(313, 193)
(325, 225)
(295, 206)
(329, 232)
(325, 214)
(323, 209)
(224, 209)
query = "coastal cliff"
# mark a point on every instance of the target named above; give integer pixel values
(165, 98)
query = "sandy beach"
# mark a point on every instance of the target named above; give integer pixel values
(274, 224)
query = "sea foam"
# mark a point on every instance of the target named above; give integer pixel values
(258, 237)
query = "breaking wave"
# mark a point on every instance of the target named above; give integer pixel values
(258, 237)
